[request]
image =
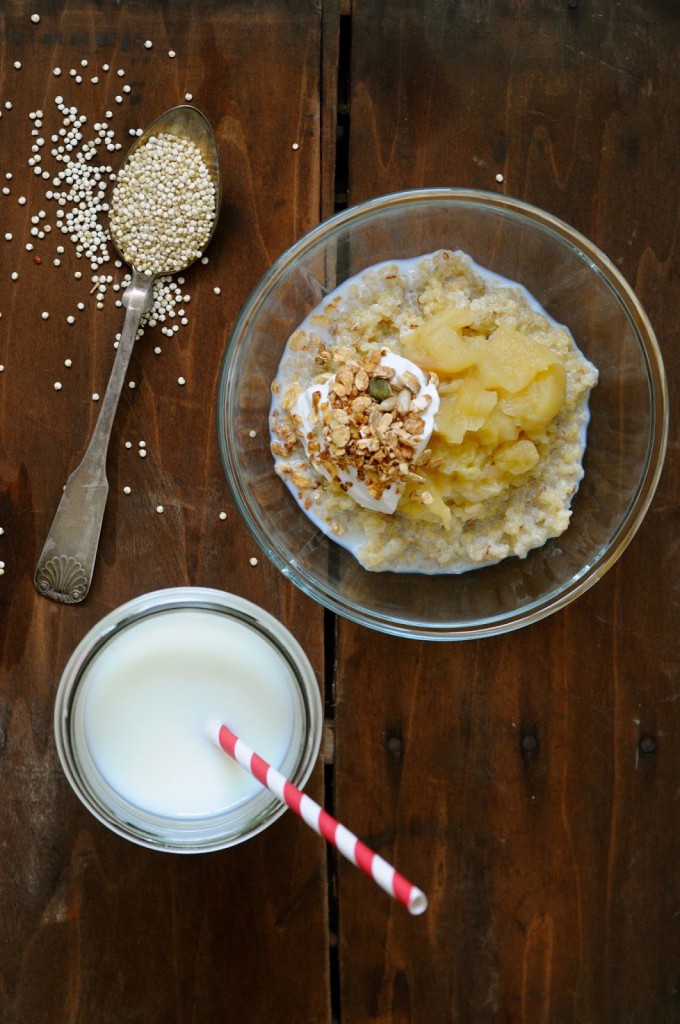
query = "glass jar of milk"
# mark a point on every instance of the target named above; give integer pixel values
(141, 689)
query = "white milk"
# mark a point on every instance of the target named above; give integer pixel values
(150, 692)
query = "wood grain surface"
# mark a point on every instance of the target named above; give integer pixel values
(535, 774)
(529, 783)
(93, 929)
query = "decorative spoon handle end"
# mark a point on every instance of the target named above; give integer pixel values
(62, 578)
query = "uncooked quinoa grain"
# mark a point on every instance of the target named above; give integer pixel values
(170, 229)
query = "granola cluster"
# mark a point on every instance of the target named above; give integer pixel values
(369, 426)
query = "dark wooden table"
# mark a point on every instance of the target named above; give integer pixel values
(530, 783)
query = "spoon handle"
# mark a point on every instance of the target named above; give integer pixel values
(65, 567)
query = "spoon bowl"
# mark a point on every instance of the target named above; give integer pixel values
(185, 122)
(66, 564)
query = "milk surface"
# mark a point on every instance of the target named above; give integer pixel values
(153, 689)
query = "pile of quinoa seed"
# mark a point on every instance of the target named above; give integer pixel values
(163, 205)
(75, 158)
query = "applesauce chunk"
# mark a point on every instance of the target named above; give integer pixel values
(498, 393)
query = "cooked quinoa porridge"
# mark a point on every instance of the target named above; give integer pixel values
(430, 417)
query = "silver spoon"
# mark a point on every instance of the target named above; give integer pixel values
(65, 567)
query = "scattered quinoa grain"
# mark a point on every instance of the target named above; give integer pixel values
(181, 381)
(253, 561)
(127, 490)
(160, 509)
(35, 18)
(57, 385)
(223, 515)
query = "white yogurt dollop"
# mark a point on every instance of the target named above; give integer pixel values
(316, 397)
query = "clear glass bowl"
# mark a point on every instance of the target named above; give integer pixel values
(578, 286)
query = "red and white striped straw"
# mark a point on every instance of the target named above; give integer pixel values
(321, 821)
